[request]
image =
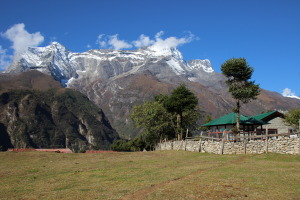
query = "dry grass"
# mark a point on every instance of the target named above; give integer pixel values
(148, 175)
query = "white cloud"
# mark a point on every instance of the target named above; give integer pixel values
(101, 41)
(171, 42)
(289, 93)
(143, 41)
(159, 43)
(21, 39)
(112, 41)
(5, 59)
(118, 44)
(159, 34)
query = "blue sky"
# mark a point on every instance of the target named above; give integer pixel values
(265, 32)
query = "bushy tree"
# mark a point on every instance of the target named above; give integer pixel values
(154, 118)
(120, 145)
(167, 115)
(181, 101)
(293, 117)
(242, 89)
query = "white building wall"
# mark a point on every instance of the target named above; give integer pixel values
(278, 124)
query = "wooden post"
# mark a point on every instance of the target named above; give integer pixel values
(222, 143)
(187, 133)
(267, 138)
(200, 141)
(299, 146)
(245, 146)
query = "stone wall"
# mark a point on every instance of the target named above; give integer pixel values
(282, 145)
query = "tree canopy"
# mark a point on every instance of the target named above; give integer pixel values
(167, 116)
(292, 118)
(154, 118)
(181, 100)
(238, 74)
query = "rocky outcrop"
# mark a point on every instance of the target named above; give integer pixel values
(50, 117)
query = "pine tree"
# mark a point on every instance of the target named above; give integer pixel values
(242, 89)
(181, 100)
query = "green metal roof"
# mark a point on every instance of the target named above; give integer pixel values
(268, 116)
(230, 119)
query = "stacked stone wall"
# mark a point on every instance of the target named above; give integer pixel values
(282, 145)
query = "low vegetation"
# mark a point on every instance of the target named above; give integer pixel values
(148, 175)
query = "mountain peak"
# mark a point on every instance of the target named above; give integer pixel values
(156, 50)
(56, 45)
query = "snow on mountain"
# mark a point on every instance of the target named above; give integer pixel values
(175, 66)
(294, 97)
(116, 80)
(52, 60)
(205, 65)
(287, 92)
(155, 51)
(67, 66)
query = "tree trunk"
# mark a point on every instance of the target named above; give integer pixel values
(178, 127)
(181, 127)
(238, 115)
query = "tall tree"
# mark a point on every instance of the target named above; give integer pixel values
(181, 100)
(242, 89)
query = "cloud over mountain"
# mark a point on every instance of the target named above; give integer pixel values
(289, 93)
(113, 42)
(22, 39)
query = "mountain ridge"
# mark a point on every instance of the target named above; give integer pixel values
(37, 112)
(117, 80)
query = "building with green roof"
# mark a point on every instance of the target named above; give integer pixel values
(228, 122)
(275, 123)
(271, 122)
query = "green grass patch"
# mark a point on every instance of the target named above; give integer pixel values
(148, 175)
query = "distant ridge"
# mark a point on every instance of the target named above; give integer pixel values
(28, 80)
(117, 80)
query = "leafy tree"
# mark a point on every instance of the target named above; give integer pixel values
(157, 117)
(181, 100)
(154, 118)
(293, 118)
(242, 89)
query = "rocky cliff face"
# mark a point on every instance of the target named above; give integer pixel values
(116, 80)
(51, 118)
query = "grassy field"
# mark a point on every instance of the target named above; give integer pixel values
(148, 175)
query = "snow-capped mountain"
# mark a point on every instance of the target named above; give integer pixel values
(293, 97)
(117, 80)
(67, 66)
